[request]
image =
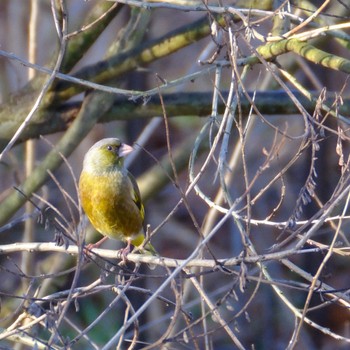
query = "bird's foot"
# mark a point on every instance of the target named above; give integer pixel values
(123, 253)
(90, 246)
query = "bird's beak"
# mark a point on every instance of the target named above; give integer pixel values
(124, 150)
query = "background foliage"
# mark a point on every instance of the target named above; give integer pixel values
(238, 112)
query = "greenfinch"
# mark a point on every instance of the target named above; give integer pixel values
(110, 196)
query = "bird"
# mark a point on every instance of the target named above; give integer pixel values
(110, 196)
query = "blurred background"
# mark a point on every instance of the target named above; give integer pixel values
(226, 113)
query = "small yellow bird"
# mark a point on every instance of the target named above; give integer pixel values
(110, 196)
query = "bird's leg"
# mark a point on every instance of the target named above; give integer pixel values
(95, 245)
(125, 251)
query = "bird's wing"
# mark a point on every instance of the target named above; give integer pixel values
(136, 196)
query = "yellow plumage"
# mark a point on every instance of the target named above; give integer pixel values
(109, 194)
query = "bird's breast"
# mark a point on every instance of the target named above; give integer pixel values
(108, 203)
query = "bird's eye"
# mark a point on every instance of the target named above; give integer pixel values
(110, 148)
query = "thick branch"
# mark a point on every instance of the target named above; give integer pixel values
(179, 104)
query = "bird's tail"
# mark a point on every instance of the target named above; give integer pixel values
(150, 249)
(147, 248)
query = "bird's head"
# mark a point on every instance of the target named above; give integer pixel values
(106, 155)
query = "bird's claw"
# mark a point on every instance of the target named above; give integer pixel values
(123, 253)
(87, 249)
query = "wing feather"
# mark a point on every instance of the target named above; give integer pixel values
(136, 195)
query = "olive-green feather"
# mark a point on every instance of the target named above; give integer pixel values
(111, 209)
(109, 194)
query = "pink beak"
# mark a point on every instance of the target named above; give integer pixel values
(124, 150)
